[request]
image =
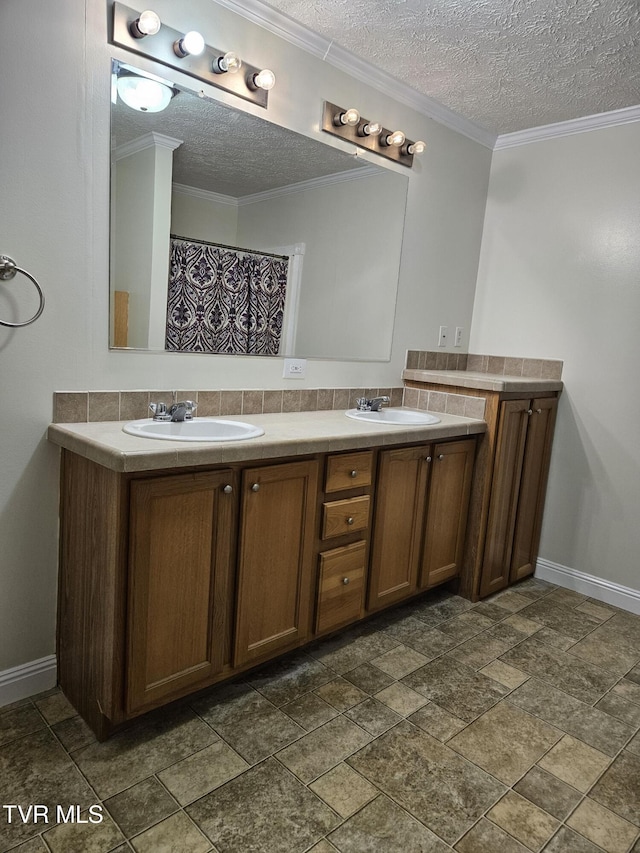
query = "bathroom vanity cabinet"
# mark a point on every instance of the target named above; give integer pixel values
(511, 471)
(172, 580)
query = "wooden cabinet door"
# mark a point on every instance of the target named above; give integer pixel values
(275, 559)
(181, 538)
(507, 470)
(448, 504)
(398, 524)
(533, 485)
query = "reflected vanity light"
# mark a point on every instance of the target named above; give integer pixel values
(148, 24)
(350, 126)
(396, 138)
(189, 53)
(349, 117)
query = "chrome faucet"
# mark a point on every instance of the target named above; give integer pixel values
(374, 405)
(179, 411)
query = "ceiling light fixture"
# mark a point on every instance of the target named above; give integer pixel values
(188, 53)
(144, 94)
(350, 126)
(148, 24)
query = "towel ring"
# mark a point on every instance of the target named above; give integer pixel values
(8, 269)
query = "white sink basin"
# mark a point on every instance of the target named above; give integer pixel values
(198, 429)
(402, 417)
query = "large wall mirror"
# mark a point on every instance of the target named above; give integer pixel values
(230, 234)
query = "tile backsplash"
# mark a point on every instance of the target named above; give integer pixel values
(533, 368)
(89, 406)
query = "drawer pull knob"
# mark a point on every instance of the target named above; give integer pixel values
(353, 473)
(227, 490)
(350, 520)
(345, 581)
(255, 487)
(441, 457)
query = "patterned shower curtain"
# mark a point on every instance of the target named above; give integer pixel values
(224, 300)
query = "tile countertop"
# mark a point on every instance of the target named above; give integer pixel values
(483, 381)
(291, 434)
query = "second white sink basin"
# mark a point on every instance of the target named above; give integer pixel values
(406, 417)
(198, 429)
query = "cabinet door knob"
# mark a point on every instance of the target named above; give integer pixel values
(227, 490)
(529, 411)
(350, 520)
(538, 411)
(255, 487)
(353, 473)
(345, 581)
(441, 457)
(427, 459)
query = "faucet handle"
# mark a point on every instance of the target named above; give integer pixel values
(363, 404)
(159, 411)
(190, 407)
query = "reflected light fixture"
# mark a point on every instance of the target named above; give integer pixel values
(396, 138)
(264, 79)
(144, 94)
(349, 117)
(230, 63)
(148, 24)
(350, 126)
(191, 44)
(418, 147)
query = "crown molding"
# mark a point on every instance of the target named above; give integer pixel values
(295, 33)
(311, 184)
(149, 140)
(568, 128)
(207, 195)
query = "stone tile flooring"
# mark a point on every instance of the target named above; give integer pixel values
(502, 727)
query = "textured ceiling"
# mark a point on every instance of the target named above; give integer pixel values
(506, 65)
(230, 152)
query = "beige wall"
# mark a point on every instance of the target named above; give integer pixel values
(559, 276)
(54, 220)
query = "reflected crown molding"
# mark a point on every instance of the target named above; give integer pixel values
(141, 143)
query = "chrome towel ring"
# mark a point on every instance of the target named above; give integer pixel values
(8, 269)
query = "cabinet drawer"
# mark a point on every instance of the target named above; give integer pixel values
(340, 586)
(340, 517)
(349, 471)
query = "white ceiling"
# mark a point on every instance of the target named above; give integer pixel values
(503, 65)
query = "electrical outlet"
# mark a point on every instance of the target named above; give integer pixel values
(295, 368)
(457, 341)
(442, 337)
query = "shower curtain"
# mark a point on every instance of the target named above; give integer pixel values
(224, 300)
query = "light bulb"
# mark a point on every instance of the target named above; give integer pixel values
(229, 63)
(349, 117)
(396, 138)
(264, 79)
(148, 24)
(191, 44)
(416, 147)
(144, 95)
(371, 128)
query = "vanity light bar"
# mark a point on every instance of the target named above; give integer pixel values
(370, 135)
(167, 46)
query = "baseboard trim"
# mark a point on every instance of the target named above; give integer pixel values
(25, 680)
(598, 588)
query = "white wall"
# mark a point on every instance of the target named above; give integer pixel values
(54, 220)
(559, 277)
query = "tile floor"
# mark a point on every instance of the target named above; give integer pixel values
(503, 727)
